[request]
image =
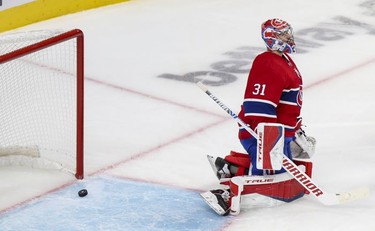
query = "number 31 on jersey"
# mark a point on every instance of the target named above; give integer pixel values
(259, 89)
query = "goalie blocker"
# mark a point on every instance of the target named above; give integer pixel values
(270, 146)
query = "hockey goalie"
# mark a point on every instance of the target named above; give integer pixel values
(271, 107)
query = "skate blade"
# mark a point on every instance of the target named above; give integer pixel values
(211, 200)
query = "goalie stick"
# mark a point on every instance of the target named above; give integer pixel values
(324, 197)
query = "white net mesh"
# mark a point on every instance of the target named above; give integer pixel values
(38, 98)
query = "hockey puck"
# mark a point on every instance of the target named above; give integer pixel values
(82, 193)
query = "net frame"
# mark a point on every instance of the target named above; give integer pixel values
(77, 35)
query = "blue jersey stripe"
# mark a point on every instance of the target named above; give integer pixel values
(290, 96)
(259, 108)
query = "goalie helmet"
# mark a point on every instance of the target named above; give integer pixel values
(278, 35)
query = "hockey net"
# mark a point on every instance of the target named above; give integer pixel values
(41, 100)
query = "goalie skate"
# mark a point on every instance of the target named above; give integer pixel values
(217, 200)
(220, 168)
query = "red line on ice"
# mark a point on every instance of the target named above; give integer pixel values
(341, 73)
(151, 96)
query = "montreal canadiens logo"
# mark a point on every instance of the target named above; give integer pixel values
(299, 97)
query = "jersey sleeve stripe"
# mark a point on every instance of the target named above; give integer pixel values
(262, 108)
(292, 89)
(260, 101)
(288, 103)
(260, 115)
(290, 96)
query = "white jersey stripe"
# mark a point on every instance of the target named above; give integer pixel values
(292, 89)
(260, 114)
(288, 103)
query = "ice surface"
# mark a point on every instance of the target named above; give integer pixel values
(147, 125)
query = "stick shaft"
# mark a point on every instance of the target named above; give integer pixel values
(225, 108)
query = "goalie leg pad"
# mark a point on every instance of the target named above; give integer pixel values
(308, 168)
(282, 187)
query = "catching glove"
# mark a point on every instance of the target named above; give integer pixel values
(302, 147)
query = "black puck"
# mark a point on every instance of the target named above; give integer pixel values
(82, 193)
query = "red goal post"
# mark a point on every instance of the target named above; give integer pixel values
(42, 98)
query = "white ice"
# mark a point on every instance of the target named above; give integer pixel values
(143, 127)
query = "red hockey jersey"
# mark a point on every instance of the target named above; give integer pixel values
(273, 94)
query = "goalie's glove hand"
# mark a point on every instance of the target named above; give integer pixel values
(302, 146)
